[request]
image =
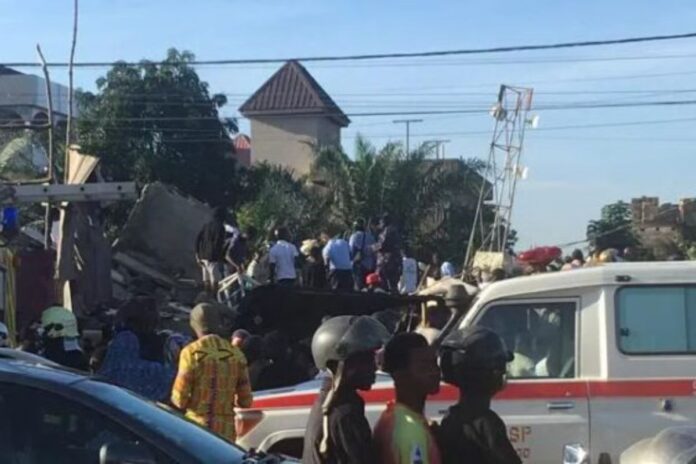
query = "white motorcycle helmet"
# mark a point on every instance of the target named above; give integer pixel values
(674, 445)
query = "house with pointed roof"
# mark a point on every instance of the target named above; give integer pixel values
(290, 115)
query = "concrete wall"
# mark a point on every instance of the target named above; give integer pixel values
(645, 209)
(288, 140)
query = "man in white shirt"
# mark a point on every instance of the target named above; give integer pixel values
(282, 259)
(409, 275)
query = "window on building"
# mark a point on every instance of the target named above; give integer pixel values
(540, 334)
(658, 319)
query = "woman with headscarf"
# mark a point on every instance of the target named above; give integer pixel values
(135, 356)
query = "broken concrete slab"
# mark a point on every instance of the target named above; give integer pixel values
(163, 227)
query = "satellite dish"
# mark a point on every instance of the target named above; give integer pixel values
(533, 121)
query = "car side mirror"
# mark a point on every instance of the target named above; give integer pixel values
(125, 453)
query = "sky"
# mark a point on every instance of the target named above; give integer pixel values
(572, 172)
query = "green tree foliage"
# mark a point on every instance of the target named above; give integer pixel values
(431, 201)
(158, 122)
(272, 198)
(614, 228)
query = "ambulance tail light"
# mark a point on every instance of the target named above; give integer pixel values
(246, 420)
(575, 454)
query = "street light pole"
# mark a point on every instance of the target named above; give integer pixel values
(408, 130)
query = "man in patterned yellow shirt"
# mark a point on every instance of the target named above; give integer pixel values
(213, 376)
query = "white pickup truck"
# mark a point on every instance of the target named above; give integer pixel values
(605, 357)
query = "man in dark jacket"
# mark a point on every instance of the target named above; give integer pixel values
(337, 430)
(474, 360)
(210, 249)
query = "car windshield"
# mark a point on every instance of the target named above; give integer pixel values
(201, 443)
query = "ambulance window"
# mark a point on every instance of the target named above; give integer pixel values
(657, 320)
(540, 334)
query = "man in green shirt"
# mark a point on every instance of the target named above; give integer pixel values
(402, 434)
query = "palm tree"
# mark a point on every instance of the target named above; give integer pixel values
(426, 198)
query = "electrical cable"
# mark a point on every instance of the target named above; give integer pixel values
(380, 56)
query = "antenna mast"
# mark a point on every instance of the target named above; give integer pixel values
(503, 169)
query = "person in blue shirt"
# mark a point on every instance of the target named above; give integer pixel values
(337, 257)
(361, 243)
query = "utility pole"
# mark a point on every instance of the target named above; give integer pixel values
(440, 143)
(408, 129)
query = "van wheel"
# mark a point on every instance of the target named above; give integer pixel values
(290, 447)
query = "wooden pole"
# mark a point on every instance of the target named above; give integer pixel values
(49, 96)
(71, 65)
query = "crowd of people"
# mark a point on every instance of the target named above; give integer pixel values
(205, 375)
(215, 369)
(371, 257)
(208, 375)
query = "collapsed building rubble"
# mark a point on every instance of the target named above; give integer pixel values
(154, 254)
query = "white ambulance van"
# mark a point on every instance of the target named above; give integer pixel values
(604, 357)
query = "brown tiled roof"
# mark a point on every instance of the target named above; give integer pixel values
(292, 91)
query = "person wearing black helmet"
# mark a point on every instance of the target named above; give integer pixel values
(337, 431)
(474, 360)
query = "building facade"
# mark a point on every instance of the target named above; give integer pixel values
(662, 226)
(291, 115)
(23, 99)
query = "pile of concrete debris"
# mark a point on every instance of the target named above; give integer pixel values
(155, 253)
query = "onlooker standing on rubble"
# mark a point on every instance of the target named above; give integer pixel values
(402, 434)
(237, 250)
(210, 249)
(336, 255)
(433, 268)
(213, 378)
(409, 274)
(447, 269)
(313, 269)
(282, 258)
(389, 254)
(361, 243)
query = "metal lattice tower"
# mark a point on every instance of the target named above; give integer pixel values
(502, 169)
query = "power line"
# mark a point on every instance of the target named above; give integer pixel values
(474, 133)
(558, 107)
(380, 56)
(415, 92)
